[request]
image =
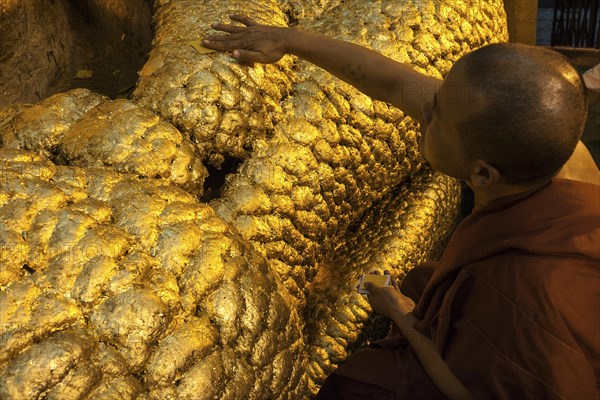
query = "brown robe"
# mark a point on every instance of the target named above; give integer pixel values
(513, 304)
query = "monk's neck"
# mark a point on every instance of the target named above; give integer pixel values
(486, 195)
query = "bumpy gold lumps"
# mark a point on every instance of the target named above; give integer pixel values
(221, 103)
(132, 277)
(335, 151)
(85, 129)
(131, 139)
(40, 127)
(299, 10)
(405, 228)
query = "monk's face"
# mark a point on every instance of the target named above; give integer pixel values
(440, 141)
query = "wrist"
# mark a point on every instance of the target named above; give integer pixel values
(402, 310)
(404, 320)
(290, 39)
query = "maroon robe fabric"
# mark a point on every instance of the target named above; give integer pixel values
(513, 304)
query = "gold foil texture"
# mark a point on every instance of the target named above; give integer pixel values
(225, 106)
(335, 151)
(84, 129)
(143, 269)
(131, 139)
(405, 228)
(40, 127)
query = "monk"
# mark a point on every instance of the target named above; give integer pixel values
(512, 308)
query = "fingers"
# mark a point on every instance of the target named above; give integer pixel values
(249, 57)
(392, 279)
(225, 38)
(227, 28)
(373, 288)
(243, 19)
(224, 43)
(215, 44)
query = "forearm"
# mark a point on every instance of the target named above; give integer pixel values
(373, 74)
(434, 365)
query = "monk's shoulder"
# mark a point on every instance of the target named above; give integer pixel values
(523, 277)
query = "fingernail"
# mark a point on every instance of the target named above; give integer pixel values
(236, 53)
(206, 41)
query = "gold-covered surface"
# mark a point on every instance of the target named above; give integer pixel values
(223, 105)
(122, 135)
(299, 10)
(405, 228)
(116, 285)
(145, 269)
(85, 129)
(335, 151)
(40, 127)
(325, 165)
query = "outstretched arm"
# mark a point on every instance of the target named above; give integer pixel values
(373, 74)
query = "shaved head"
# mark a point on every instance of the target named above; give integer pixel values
(529, 110)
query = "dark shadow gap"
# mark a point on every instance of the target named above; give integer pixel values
(215, 182)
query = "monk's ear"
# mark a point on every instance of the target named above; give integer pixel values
(483, 174)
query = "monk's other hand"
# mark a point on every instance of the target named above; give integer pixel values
(388, 300)
(250, 43)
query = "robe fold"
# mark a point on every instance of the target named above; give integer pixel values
(513, 305)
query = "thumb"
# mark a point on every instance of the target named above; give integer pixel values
(247, 56)
(371, 287)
